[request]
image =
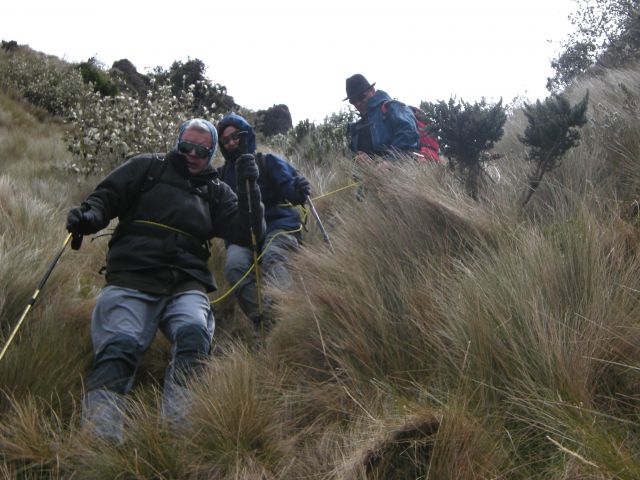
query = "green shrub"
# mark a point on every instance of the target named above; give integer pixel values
(467, 132)
(551, 132)
(274, 120)
(43, 81)
(9, 46)
(314, 142)
(92, 73)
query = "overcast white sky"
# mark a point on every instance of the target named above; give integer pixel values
(299, 53)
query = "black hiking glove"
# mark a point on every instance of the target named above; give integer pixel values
(301, 190)
(83, 221)
(246, 176)
(246, 169)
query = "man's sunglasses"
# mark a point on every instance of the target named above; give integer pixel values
(188, 147)
(232, 137)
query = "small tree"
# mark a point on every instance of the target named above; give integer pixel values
(552, 130)
(574, 60)
(10, 46)
(604, 33)
(466, 132)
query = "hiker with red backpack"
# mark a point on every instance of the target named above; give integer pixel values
(387, 128)
(157, 275)
(282, 188)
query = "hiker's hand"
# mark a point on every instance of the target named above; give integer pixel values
(301, 190)
(82, 222)
(246, 168)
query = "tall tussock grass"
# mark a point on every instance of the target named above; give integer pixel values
(46, 357)
(444, 338)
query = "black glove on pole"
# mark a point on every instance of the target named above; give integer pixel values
(301, 190)
(82, 221)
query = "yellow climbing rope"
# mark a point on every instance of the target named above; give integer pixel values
(304, 215)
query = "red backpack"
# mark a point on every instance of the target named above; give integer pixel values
(428, 146)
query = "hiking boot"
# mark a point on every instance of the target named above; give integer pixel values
(103, 415)
(176, 404)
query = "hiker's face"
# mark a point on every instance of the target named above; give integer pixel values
(230, 138)
(195, 163)
(360, 102)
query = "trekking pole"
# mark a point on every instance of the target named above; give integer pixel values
(325, 235)
(34, 297)
(254, 241)
(254, 247)
(322, 229)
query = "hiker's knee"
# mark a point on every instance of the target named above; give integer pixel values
(114, 365)
(192, 340)
(238, 262)
(192, 346)
(276, 261)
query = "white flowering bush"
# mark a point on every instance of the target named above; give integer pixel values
(103, 130)
(107, 130)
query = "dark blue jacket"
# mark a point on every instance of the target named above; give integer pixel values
(276, 180)
(394, 130)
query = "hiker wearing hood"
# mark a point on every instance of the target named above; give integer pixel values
(169, 207)
(281, 188)
(386, 128)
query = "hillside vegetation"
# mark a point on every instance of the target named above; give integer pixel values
(446, 338)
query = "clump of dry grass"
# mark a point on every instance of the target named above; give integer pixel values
(365, 309)
(34, 445)
(425, 282)
(236, 410)
(151, 449)
(48, 353)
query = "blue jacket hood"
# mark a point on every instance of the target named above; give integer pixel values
(378, 99)
(235, 120)
(202, 123)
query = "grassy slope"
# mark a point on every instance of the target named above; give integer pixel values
(445, 339)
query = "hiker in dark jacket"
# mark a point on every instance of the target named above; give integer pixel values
(156, 272)
(281, 188)
(386, 128)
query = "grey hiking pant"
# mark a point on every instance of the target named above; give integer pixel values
(274, 270)
(123, 326)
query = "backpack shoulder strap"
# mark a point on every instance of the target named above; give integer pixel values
(155, 171)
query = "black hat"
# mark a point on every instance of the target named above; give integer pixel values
(357, 85)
